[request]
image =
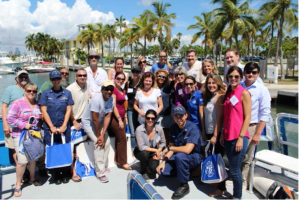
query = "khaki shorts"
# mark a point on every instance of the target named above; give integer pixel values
(9, 143)
(21, 158)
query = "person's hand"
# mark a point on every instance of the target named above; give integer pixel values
(53, 130)
(142, 113)
(6, 128)
(101, 142)
(28, 126)
(222, 139)
(255, 140)
(62, 129)
(121, 124)
(165, 151)
(161, 167)
(77, 125)
(213, 140)
(126, 121)
(239, 145)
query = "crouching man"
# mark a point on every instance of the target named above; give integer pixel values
(183, 152)
(95, 121)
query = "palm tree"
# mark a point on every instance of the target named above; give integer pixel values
(30, 42)
(100, 36)
(233, 18)
(203, 25)
(87, 37)
(179, 36)
(176, 43)
(167, 47)
(120, 22)
(127, 39)
(161, 20)
(110, 34)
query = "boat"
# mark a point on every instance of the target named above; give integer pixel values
(131, 185)
(6, 70)
(40, 68)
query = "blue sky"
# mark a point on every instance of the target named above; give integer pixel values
(60, 17)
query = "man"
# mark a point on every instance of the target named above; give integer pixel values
(193, 66)
(11, 94)
(95, 75)
(64, 81)
(95, 121)
(80, 95)
(162, 64)
(260, 113)
(183, 152)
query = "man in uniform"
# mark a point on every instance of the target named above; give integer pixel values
(183, 152)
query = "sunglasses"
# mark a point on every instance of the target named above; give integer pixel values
(142, 62)
(162, 56)
(161, 76)
(236, 77)
(180, 74)
(92, 57)
(150, 118)
(253, 72)
(31, 91)
(81, 75)
(22, 77)
(64, 73)
(109, 88)
(135, 71)
(187, 84)
(120, 79)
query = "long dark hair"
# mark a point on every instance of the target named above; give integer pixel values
(231, 69)
(118, 73)
(207, 95)
(153, 112)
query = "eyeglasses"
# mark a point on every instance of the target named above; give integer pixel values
(108, 88)
(253, 72)
(81, 75)
(56, 79)
(150, 118)
(162, 56)
(161, 76)
(180, 74)
(92, 57)
(31, 91)
(22, 77)
(187, 84)
(64, 73)
(144, 61)
(236, 76)
(135, 71)
(120, 79)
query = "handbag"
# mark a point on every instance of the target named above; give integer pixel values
(33, 146)
(58, 155)
(84, 164)
(77, 136)
(213, 167)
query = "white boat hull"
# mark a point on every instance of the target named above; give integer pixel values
(39, 70)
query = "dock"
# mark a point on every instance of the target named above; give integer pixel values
(285, 96)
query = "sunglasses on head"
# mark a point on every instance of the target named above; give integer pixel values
(81, 75)
(187, 84)
(120, 79)
(150, 118)
(92, 57)
(236, 76)
(253, 72)
(161, 76)
(109, 88)
(31, 91)
(142, 62)
(64, 73)
(179, 74)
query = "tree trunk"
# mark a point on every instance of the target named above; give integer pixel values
(131, 55)
(252, 51)
(279, 43)
(114, 48)
(144, 52)
(248, 52)
(120, 40)
(270, 43)
(220, 52)
(109, 54)
(236, 42)
(205, 48)
(160, 39)
(102, 54)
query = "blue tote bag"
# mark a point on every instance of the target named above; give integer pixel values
(34, 147)
(77, 136)
(213, 167)
(58, 155)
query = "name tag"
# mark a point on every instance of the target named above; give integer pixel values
(130, 90)
(209, 105)
(180, 92)
(234, 100)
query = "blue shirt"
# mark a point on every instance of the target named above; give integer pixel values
(193, 107)
(157, 66)
(189, 134)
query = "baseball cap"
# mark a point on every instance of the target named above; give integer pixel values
(21, 72)
(54, 74)
(137, 68)
(107, 83)
(178, 110)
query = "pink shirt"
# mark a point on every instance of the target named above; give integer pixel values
(233, 114)
(120, 99)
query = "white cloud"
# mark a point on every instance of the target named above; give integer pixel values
(146, 2)
(50, 16)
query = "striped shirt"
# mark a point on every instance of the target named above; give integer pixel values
(19, 114)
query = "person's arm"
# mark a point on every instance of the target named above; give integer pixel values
(95, 119)
(219, 122)
(160, 105)
(75, 123)
(47, 119)
(161, 166)
(136, 103)
(109, 74)
(13, 117)
(187, 149)
(246, 101)
(63, 127)
(116, 113)
(201, 114)
(6, 128)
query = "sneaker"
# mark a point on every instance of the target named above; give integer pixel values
(103, 179)
(146, 177)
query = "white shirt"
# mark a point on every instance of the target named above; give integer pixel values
(80, 97)
(95, 82)
(195, 70)
(261, 102)
(146, 103)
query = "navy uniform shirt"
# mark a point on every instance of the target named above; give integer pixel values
(189, 134)
(56, 103)
(193, 107)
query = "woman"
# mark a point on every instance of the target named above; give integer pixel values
(166, 89)
(180, 91)
(118, 67)
(148, 97)
(150, 141)
(208, 67)
(142, 63)
(18, 115)
(195, 104)
(56, 105)
(118, 122)
(213, 119)
(237, 115)
(131, 88)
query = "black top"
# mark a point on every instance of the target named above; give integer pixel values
(131, 91)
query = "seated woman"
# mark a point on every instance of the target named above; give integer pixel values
(18, 115)
(150, 141)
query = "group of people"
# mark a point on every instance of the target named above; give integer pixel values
(171, 112)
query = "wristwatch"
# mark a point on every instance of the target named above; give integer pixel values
(168, 147)
(241, 136)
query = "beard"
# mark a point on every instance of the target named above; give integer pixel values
(64, 82)
(23, 83)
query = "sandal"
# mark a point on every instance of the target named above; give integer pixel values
(17, 190)
(36, 182)
(74, 178)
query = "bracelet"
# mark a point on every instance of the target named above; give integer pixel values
(165, 159)
(241, 136)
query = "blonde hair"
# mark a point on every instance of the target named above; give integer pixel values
(211, 61)
(139, 60)
(31, 85)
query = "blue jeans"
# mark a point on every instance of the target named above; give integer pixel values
(133, 124)
(235, 161)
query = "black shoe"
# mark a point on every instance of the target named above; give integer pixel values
(146, 177)
(183, 190)
(57, 180)
(65, 180)
(43, 173)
